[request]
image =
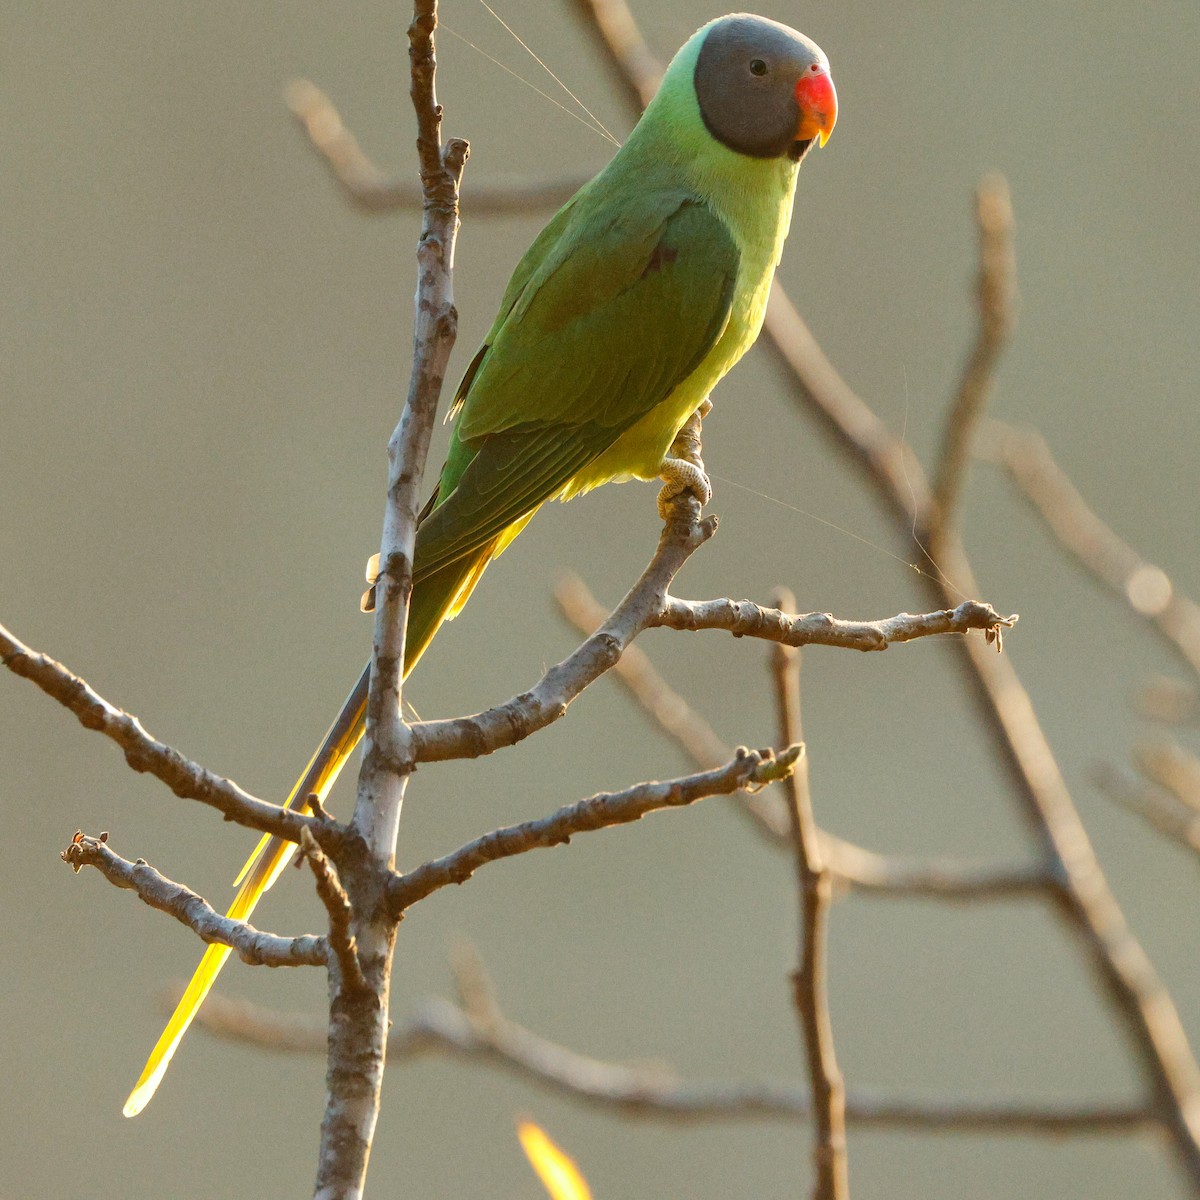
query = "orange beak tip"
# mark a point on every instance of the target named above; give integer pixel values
(817, 98)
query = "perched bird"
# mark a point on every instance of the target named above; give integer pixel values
(640, 294)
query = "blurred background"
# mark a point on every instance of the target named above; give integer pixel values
(204, 350)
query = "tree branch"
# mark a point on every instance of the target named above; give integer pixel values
(745, 619)
(341, 913)
(251, 945)
(1158, 808)
(373, 191)
(547, 701)
(634, 68)
(996, 299)
(656, 1093)
(144, 754)
(647, 605)
(1167, 701)
(1168, 764)
(358, 1015)
(749, 768)
(1146, 588)
(852, 867)
(863, 870)
(809, 980)
(668, 710)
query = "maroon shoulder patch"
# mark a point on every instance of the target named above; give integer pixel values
(661, 256)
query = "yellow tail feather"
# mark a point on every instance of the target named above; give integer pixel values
(431, 604)
(260, 872)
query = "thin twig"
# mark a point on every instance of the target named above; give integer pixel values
(341, 914)
(473, 984)
(647, 605)
(852, 867)
(1168, 701)
(996, 291)
(374, 191)
(745, 619)
(862, 870)
(634, 68)
(251, 945)
(547, 701)
(637, 674)
(1157, 807)
(1149, 1017)
(668, 710)
(1146, 588)
(887, 463)
(187, 779)
(810, 991)
(748, 768)
(656, 1092)
(1168, 764)
(1148, 1014)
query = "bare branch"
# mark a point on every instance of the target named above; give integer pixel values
(863, 870)
(251, 945)
(887, 463)
(472, 984)
(341, 914)
(634, 68)
(145, 754)
(1157, 807)
(749, 768)
(376, 192)
(665, 706)
(809, 980)
(668, 710)
(656, 1092)
(387, 756)
(852, 867)
(1148, 1014)
(1146, 588)
(547, 701)
(647, 605)
(1168, 701)
(996, 297)
(358, 1015)
(1168, 764)
(745, 619)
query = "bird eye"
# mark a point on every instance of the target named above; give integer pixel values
(757, 66)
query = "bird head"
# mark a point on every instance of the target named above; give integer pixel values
(764, 90)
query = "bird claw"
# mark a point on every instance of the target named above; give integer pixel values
(680, 476)
(367, 602)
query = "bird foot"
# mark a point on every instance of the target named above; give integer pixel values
(679, 476)
(367, 603)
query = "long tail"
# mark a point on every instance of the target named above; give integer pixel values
(437, 597)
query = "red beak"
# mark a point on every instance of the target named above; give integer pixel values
(818, 105)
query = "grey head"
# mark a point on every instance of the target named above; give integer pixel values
(764, 90)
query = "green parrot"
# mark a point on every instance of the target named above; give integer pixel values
(629, 307)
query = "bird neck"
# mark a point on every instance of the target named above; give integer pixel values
(670, 144)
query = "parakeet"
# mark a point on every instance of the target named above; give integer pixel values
(629, 307)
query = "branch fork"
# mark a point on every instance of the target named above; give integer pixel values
(251, 945)
(341, 913)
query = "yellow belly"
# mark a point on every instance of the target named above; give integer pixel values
(638, 453)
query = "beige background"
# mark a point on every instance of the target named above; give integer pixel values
(203, 352)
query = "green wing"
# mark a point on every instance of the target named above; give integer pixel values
(605, 316)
